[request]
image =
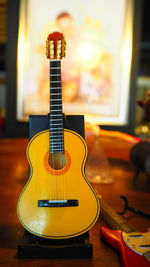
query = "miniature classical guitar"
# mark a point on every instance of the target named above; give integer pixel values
(58, 201)
(134, 247)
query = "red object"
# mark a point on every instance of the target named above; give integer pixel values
(55, 36)
(129, 258)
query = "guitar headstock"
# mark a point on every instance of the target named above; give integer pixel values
(55, 46)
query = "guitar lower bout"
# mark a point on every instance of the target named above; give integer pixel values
(59, 202)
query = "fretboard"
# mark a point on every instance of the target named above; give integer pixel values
(56, 113)
(114, 220)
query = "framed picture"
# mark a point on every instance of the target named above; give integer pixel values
(97, 70)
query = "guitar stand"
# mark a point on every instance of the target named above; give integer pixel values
(32, 246)
(136, 211)
(36, 247)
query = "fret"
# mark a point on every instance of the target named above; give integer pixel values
(58, 110)
(60, 145)
(51, 127)
(55, 74)
(59, 150)
(54, 124)
(56, 105)
(55, 81)
(53, 149)
(57, 99)
(55, 60)
(55, 93)
(56, 115)
(54, 68)
(56, 137)
(60, 140)
(56, 145)
(55, 120)
(53, 145)
(56, 142)
(56, 127)
(51, 131)
(56, 88)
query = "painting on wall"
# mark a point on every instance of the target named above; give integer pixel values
(96, 69)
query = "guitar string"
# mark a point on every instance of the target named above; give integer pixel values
(64, 159)
(64, 180)
(62, 148)
(52, 188)
(60, 154)
(58, 185)
(63, 151)
(64, 162)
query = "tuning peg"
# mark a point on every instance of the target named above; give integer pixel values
(63, 48)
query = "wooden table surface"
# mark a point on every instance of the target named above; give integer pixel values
(13, 175)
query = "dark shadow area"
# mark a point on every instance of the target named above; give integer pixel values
(10, 235)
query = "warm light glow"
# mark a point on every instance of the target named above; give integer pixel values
(87, 52)
(145, 129)
(21, 58)
(126, 57)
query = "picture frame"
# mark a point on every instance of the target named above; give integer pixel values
(125, 120)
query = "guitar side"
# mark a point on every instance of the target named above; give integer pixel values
(128, 257)
(46, 183)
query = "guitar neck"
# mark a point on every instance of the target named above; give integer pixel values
(114, 220)
(56, 113)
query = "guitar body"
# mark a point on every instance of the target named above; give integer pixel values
(129, 257)
(47, 185)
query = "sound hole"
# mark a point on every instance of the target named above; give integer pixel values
(57, 160)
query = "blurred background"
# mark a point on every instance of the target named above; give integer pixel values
(136, 109)
(97, 82)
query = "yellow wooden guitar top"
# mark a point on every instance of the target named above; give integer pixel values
(71, 184)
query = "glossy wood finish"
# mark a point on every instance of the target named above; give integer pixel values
(13, 175)
(67, 183)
